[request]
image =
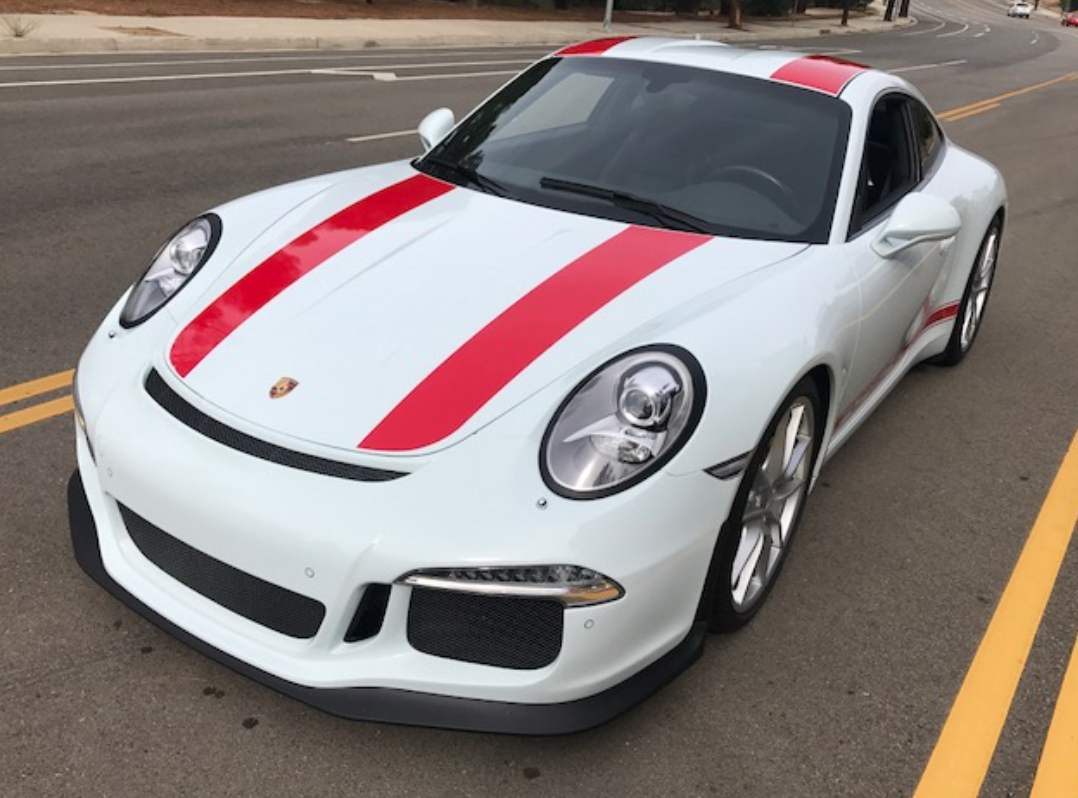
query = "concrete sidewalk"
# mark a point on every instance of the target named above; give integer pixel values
(88, 33)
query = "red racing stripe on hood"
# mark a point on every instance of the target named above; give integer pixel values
(820, 72)
(594, 47)
(263, 283)
(475, 373)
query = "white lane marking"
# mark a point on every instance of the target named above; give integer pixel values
(453, 75)
(438, 65)
(392, 77)
(152, 78)
(379, 136)
(204, 61)
(1036, 38)
(355, 72)
(927, 66)
(961, 30)
(926, 30)
(380, 75)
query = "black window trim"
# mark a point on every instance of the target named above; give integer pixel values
(921, 177)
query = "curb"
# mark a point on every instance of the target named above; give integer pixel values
(533, 34)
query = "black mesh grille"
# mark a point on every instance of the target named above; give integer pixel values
(257, 600)
(507, 632)
(213, 429)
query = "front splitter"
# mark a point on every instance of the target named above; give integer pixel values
(388, 705)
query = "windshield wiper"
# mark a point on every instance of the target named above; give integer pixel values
(670, 217)
(482, 182)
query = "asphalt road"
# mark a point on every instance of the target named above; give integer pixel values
(840, 687)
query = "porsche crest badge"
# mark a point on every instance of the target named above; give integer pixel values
(283, 387)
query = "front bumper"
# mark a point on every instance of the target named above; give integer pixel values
(329, 539)
(394, 705)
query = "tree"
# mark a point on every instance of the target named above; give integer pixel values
(735, 14)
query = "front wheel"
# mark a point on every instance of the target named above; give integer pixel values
(767, 510)
(974, 300)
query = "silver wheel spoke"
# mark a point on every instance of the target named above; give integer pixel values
(745, 561)
(772, 503)
(802, 444)
(980, 284)
(776, 456)
(788, 489)
(763, 561)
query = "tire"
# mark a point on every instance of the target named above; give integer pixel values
(755, 539)
(974, 300)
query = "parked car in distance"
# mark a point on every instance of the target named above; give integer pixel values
(1020, 10)
(1070, 20)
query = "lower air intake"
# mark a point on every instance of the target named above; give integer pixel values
(506, 632)
(257, 600)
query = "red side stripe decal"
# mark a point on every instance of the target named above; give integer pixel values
(485, 364)
(938, 316)
(258, 287)
(594, 47)
(819, 72)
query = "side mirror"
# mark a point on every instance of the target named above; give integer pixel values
(916, 219)
(435, 126)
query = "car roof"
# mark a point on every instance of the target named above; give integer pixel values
(821, 73)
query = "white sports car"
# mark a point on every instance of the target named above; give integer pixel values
(490, 438)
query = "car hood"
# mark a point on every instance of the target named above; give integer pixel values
(395, 313)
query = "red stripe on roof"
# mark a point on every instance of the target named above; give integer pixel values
(263, 283)
(475, 373)
(594, 47)
(819, 72)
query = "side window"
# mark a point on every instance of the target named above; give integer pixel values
(926, 135)
(888, 170)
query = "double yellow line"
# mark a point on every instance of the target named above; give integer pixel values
(992, 103)
(21, 394)
(970, 735)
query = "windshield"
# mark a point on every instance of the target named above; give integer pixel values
(656, 144)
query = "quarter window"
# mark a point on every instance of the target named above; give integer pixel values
(926, 135)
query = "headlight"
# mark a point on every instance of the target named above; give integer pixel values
(623, 422)
(172, 267)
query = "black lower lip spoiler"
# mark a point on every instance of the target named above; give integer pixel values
(386, 705)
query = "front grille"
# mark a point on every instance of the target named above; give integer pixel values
(257, 600)
(184, 412)
(503, 631)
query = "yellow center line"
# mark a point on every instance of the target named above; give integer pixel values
(1057, 773)
(31, 415)
(969, 110)
(54, 382)
(974, 112)
(962, 755)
